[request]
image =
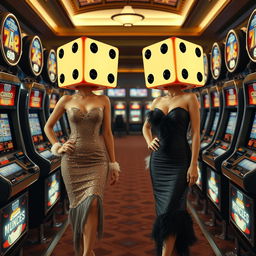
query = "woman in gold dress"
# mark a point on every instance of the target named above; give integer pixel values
(84, 162)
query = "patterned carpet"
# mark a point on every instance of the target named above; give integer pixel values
(129, 210)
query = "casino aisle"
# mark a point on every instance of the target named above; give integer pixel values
(129, 210)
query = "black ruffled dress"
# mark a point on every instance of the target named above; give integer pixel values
(168, 169)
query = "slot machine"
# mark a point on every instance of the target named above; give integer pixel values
(156, 93)
(52, 97)
(17, 171)
(226, 137)
(147, 107)
(210, 132)
(52, 94)
(135, 116)
(120, 116)
(45, 193)
(240, 167)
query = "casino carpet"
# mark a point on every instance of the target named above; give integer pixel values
(129, 210)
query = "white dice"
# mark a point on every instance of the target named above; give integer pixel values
(87, 62)
(173, 61)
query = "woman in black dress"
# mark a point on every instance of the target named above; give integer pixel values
(173, 167)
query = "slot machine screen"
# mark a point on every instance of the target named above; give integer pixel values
(241, 213)
(120, 109)
(35, 128)
(253, 130)
(206, 101)
(135, 115)
(6, 140)
(99, 92)
(116, 93)
(36, 98)
(231, 97)
(215, 122)
(252, 93)
(230, 126)
(14, 222)
(156, 93)
(138, 93)
(52, 190)
(215, 99)
(213, 187)
(53, 100)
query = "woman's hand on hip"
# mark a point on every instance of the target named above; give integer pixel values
(192, 175)
(154, 144)
(68, 147)
(114, 177)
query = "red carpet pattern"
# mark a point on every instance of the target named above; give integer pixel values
(129, 209)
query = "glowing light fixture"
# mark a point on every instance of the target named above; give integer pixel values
(127, 17)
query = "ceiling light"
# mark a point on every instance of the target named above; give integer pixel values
(127, 17)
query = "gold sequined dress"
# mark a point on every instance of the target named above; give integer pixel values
(85, 170)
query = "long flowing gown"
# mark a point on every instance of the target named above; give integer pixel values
(168, 170)
(85, 170)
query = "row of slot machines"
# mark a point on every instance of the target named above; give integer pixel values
(30, 180)
(227, 158)
(129, 113)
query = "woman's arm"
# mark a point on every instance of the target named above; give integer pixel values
(195, 134)
(107, 131)
(109, 141)
(153, 144)
(52, 120)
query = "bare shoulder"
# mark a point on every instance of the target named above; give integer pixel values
(66, 98)
(103, 99)
(190, 96)
(155, 102)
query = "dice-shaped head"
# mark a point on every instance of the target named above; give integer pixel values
(87, 62)
(173, 62)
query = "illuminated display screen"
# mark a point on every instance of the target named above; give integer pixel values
(231, 97)
(11, 38)
(99, 92)
(206, 68)
(251, 36)
(118, 92)
(35, 127)
(36, 98)
(10, 169)
(253, 131)
(204, 144)
(247, 164)
(135, 115)
(252, 93)
(7, 94)
(137, 92)
(14, 222)
(241, 213)
(120, 105)
(215, 99)
(216, 61)
(120, 112)
(47, 154)
(206, 101)
(231, 51)
(219, 151)
(6, 141)
(53, 100)
(156, 93)
(213, 187)
(215, 122)
(231, 123)
(52, 190)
